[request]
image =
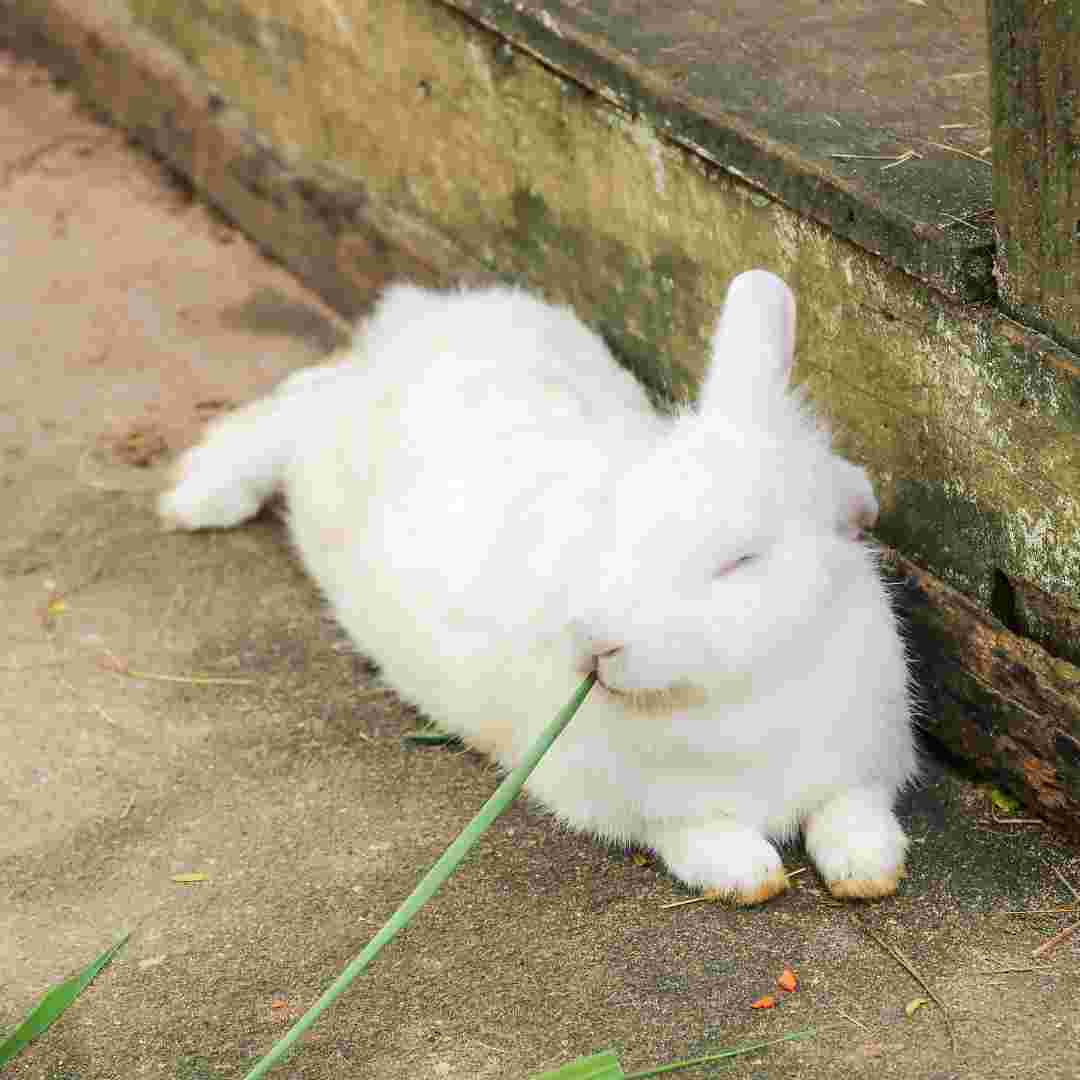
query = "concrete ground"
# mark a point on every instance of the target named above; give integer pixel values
(129, 314)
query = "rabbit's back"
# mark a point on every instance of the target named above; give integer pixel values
(448, 483)
(504, 357)
(463, 416)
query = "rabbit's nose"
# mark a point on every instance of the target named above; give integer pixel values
(603, 649)
(590, 658)
(592, 648)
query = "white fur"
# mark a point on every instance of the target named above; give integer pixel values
(492, 506)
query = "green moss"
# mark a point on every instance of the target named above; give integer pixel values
(628, 300)
(947, 532)
(195, 27)
(190, 36)
(195, 1067)
(982, 868)
(974, 547)
(535, 230)
(1028, 380)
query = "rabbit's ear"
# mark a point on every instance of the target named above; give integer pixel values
(754, 343)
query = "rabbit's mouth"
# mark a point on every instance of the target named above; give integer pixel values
(659, 701)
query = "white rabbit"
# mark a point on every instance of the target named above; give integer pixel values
(493, 507)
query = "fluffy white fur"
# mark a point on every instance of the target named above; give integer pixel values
(492, 507)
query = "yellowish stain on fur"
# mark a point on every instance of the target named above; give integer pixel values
(662, 702)
(864, 888)
(776, 883)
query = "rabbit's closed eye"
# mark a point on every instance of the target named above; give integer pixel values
(734, 564)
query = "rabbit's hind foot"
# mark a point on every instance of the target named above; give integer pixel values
(205, 497)
(226, 478)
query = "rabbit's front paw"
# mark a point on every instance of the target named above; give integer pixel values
(857, 845)
(727, 860)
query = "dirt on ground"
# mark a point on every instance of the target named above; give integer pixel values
(181, 704)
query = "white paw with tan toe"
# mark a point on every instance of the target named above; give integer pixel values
(857, 845)
(724, 859)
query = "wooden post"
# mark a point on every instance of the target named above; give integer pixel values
(1035, 110)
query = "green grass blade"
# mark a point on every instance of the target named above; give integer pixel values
(605, 1066)
(432, 880)
(52, 1004)
(430, 737)
(602, 1066)
(736, 1051)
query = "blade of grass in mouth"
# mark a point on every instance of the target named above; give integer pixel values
(433, 880)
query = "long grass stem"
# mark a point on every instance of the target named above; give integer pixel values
(432, 881)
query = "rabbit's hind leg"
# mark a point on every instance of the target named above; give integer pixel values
(226, 478)
(242, 458)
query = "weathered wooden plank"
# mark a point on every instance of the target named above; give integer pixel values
(1035, 104)
(777, 92)
(1043, 617)
(995, 699)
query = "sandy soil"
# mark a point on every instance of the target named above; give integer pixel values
(130, 313)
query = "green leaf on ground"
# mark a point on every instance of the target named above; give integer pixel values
(432, 736)
(603, 1066)
(53, 1004)
(1003, 801)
